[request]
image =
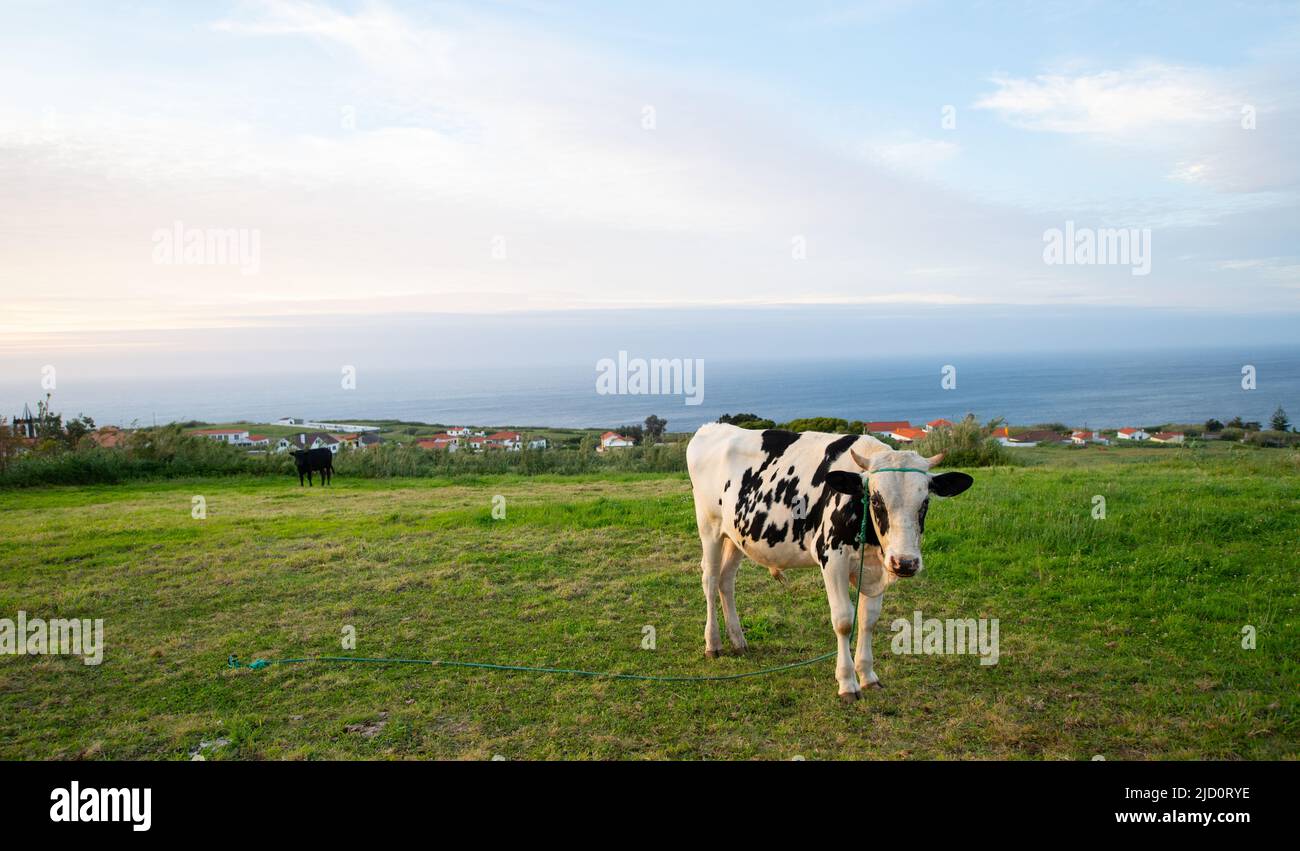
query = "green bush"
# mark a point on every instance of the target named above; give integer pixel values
(168, 452)
(966, 444)
(1282, 439)
(833, 425)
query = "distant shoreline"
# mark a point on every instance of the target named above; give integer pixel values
(1102, 390)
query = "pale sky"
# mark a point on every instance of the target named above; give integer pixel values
(395, 158)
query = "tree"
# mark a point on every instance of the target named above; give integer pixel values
(833, 425)
(738, 419)
(1279, 421)
(1236, 422)
(635, 432)
(654, 428)
(9, 443)
(77, 428)
(1212, 426)
(49, 425)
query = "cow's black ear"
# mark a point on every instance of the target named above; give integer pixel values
(845, 482)
(950, 484)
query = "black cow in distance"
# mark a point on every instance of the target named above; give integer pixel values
(314, 460)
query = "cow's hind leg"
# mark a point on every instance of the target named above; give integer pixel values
(731, 558)
(711, 580)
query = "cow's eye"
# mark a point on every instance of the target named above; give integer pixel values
(920, 517)
(881, 514)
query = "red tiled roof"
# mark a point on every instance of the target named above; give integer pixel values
(504, 435)
(108, 437)
(888, 425)
(909, 433)
(1037, 437)
(939, 423)
(1128, 431)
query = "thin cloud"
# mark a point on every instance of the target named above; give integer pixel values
(1115, 103)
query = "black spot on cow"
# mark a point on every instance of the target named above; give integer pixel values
(880, 513)
(836, 448)
(752, 493)
(776, 442)
(920, 517)
(846, 524)
(790, 472)
(787, 491)
(775, 534)
(727, 486)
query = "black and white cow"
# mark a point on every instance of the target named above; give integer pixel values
(787, 499)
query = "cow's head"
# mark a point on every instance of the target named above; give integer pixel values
(899, 490)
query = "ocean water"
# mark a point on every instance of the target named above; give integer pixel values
(1099, 389)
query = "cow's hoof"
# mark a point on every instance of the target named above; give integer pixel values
(713, 654)
(850, 696)
(876, 685)
(739, 649)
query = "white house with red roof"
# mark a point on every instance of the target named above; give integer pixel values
(225, 435)
(886, 426)
(234, 436)
(454, 439)
(511, 441)
(1083, 436)
(1167, 437)
(614, 440)
(1132, 434)
(305, 440)
(906, 434)
(939, 423)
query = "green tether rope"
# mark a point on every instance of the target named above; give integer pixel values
(258, 664)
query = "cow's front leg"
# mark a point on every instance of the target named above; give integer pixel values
(835, 575)
(868, 614)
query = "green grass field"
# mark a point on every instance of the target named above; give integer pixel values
(1120, 636)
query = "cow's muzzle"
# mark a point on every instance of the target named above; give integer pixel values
(904, 565)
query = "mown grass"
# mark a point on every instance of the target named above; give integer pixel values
(1119, 637)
